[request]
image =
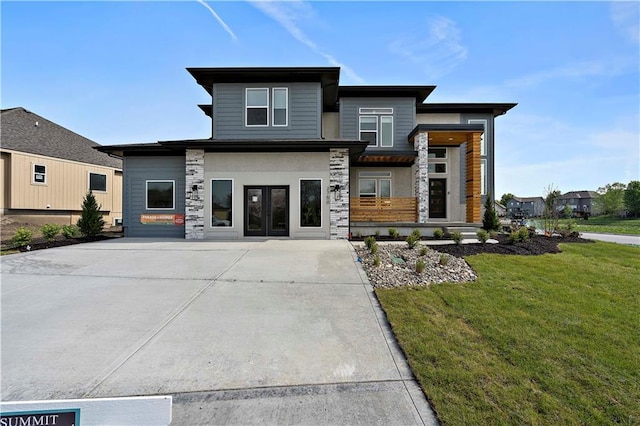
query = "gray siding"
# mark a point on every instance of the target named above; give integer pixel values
(404, 112)
(137, 171)
(305, 111)
(490, 149)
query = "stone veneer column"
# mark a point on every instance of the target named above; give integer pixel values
(194, 200)
(422, 176)
(339, 209)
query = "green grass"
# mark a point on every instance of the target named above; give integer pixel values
(607, 225)
(552, 339)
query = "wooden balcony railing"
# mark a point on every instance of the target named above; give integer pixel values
(395, 209)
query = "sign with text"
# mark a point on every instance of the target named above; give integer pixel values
(41, 418)
(162, 219)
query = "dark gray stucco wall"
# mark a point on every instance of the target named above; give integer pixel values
(305, 111)
(404, 113)
(137, 171)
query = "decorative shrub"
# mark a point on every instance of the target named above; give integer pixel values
(49, 232)
(456, 236)
(22, 236)
(91, 221)
(393, 233)
(490, 219)
(523, 234)
(374, 248)
(493, 234)
(412, 240)
(377, 233)
(482, 235)
(369, 241)
(416, 233)
(69, 231)
(438, 233)
(420, 266)
(376, 261)
(444, 259)
(424, 250)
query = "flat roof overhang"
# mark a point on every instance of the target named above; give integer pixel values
(328, 77)
(420, 93)
(356, 147)
(386, 158)
(446, 134)
(496, 109)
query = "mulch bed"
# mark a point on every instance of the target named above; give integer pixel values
(535, 246)
(59, 242)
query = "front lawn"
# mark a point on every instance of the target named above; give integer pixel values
(607, 225)
(551, 339)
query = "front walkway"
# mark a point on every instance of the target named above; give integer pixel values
(280, 332)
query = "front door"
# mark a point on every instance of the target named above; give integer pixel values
(266, 211)
(438, 198)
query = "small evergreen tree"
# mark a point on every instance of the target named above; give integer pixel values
(490, 221)
(91, 221)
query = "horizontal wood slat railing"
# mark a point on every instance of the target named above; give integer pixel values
(395, 209)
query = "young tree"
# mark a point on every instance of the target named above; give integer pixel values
(632, 197)
(611, 199)
(91, 221)
(506, 198)
(551, 215)
(490, 221)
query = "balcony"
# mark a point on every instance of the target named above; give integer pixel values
(394, 209)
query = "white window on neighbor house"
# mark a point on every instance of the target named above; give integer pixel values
(280, 106)
(376, 126)
(97, 182)
(310, 203)
(39, 174)
(483, 143)
(161, 194)
(257, 107)
(222, 202)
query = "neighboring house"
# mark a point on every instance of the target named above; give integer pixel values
(501, 210)
(581, 202)
(294, 154)
(523, 207)
(46, 170)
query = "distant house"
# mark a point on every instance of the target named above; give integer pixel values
(46, 170)
(581, 202)
(500, 209)
(519, 207)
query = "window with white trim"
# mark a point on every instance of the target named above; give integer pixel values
(310, 203)
(257, 107)
(39, 174)
(483, 144)
(483, 177)
(376, 126)
(222, 202)
(280, 106)
(161, 194)
(97, 182)
(374, 188)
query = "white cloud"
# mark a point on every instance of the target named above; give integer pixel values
(626, 19)
(439, 53)
(219, 19)
(290, 14)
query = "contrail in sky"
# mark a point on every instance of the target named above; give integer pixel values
(219, 19)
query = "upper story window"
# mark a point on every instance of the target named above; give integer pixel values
(483, 142)
(376, 126)
(257, 107)
(39, 173)
(97, 182)
(260, 112)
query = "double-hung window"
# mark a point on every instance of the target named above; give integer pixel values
(257, 107)
(39, 174)
(265, 107)
(376, 126)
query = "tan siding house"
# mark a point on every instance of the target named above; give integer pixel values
(46, 170)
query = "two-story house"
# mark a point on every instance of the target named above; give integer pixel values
(524, 207)
(294, 154)
(582, 203)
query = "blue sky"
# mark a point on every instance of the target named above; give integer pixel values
(115, 71)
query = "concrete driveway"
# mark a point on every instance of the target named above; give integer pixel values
(268, 332)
